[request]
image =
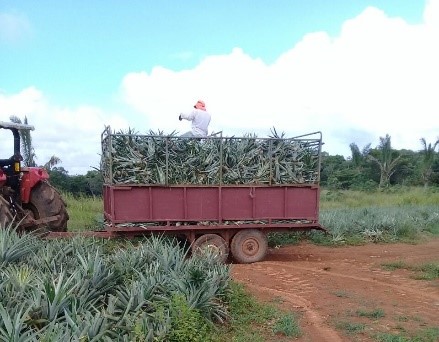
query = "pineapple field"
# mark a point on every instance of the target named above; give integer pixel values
(84, 289)
(373, 278)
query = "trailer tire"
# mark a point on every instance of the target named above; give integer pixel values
(6, 216)
(249, 245)
(213, 243)
(45, 201)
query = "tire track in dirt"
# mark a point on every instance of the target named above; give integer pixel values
(413, 286)
(334, 286)
(295, 295)
(400, 288)
(422, 299)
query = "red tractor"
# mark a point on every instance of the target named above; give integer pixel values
(26, 197)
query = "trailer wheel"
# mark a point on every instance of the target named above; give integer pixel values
(45, 201)
(249, 246)
(212, 243)
(6, 216)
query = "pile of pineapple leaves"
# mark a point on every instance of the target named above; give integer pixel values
(156, 158)
(85, 289)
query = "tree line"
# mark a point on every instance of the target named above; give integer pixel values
(382, 167)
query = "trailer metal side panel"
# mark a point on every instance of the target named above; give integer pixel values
(123, 204)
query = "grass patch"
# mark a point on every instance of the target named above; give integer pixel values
(396, 196)
(427, 271)
(395, 265)
(287, 325)
(426, 335)
(253, 321)
(372, 314)
(86, 213)
(351, 328)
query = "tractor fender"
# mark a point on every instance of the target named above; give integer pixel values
(31, 177)
(3, 178)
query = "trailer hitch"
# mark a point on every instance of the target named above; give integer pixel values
(30, 222)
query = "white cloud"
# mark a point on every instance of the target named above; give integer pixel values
(379, 76)
(73, 135)
(431, 14)
(13, 27)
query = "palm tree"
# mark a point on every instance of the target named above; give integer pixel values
(359, 156)
(428, 154)
(53, 161)
(387, 160)
(27, 150)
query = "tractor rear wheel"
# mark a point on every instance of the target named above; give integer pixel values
(249, 245)
(6, 216)
(45, 201)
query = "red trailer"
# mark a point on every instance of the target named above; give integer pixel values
(226, 217)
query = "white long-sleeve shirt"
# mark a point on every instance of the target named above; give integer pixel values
(200, 121)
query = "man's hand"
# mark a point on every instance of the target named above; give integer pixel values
(179, 118)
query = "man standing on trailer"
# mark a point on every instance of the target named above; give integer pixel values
(200, 120)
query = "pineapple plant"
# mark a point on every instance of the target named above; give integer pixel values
(80, 290)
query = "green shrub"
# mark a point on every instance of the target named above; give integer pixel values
(187, 324)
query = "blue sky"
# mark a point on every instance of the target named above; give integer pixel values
(74, 66)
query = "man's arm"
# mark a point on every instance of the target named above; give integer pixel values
(187, 116)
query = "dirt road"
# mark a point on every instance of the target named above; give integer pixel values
(345, 293)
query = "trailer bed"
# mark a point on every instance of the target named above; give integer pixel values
(200, 190)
